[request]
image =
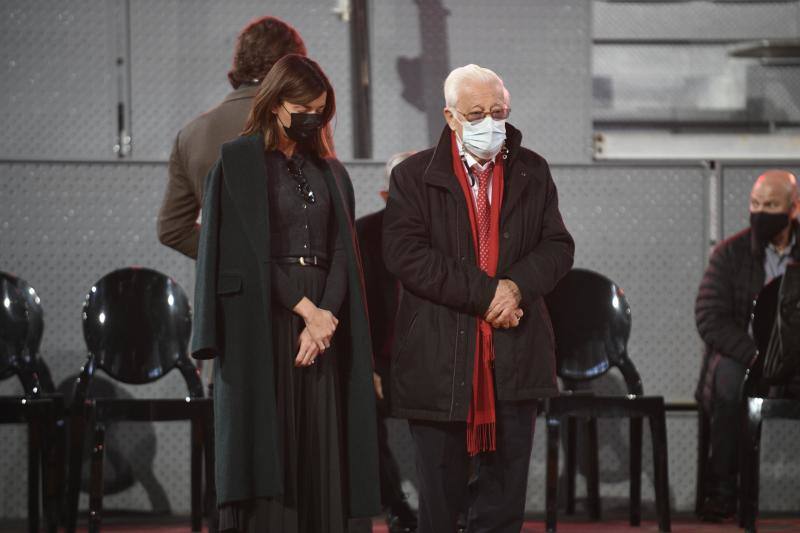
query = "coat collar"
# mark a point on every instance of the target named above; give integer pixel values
(244, 91)
(439, 171)
(244, 168)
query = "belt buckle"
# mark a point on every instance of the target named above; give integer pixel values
(302, 260)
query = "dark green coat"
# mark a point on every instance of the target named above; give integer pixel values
(232, 323)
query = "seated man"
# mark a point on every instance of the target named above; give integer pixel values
(739, 267)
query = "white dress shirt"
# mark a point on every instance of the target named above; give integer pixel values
(472, 161)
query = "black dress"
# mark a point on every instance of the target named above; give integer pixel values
(308, 405)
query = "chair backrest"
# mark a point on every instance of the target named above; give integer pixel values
(762, 318)
(136, 324)
(592, 323)
(21, 328)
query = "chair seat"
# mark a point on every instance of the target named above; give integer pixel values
(150, 410)
(605, 406)
(18, 410)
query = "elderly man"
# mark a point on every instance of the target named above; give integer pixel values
(739, 267)
(259, 45)
(473, 232)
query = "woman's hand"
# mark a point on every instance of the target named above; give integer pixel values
(377, 383)
(320, 323)
(309, 350)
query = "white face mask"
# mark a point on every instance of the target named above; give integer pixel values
(484, 139)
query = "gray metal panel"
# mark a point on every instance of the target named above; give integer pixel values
(691, 81)
(541, 50)
(643, 228)
(182, 52)
(368, 181)
(57, 85)
(696, 20)
(737, 180)
(62, 227)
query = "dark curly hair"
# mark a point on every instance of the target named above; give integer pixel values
(259, 46)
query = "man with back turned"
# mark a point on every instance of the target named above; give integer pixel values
(259, 45)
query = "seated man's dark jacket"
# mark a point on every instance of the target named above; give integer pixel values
(428, 246)
(733, 278)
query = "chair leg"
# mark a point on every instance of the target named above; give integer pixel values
(703, 445)
(34, 458)
(658, 433)
(571, 464)
(748, 502)
(593, 474)
(76, 429)
(96, 479)
(59, 472)
(211, 487)
(196, 473)
(53, 466)
(551, 490)
(636, 471)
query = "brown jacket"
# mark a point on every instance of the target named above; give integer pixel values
(195, 150)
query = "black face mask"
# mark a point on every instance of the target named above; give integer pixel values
(303, 126)
(766, 226)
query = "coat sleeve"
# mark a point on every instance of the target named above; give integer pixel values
(205, 341)
(422, 269)
(336, 283)
(714, 310)
(177, 218)
(537, 272)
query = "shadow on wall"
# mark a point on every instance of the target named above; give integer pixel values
(130, 449)
(422, 76)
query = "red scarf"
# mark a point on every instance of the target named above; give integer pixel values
(481, 421)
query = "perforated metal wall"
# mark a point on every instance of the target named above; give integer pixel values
(62, 227)
(696, 20)
(57, 90)
(181, 54)
(540, 49)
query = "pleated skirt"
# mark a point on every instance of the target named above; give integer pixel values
(308, 408)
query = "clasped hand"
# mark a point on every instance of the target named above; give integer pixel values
(316, 336)
(504, 311)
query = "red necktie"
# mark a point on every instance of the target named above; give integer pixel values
(483, 212)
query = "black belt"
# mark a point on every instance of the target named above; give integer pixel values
(304, 261)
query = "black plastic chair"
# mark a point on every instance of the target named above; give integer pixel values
(758, 405)
(136, 324)
(592, 322)
(21, 328)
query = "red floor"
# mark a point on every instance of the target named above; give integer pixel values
(766, 525)
(679, 525)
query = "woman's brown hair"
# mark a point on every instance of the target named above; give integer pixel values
(299, 80)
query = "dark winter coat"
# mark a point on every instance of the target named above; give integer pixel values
(232, 324)
(733, 279)
(428, 246)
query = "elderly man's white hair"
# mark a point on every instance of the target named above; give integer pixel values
(468, 73)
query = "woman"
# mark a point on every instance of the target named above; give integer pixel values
(279, 304)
